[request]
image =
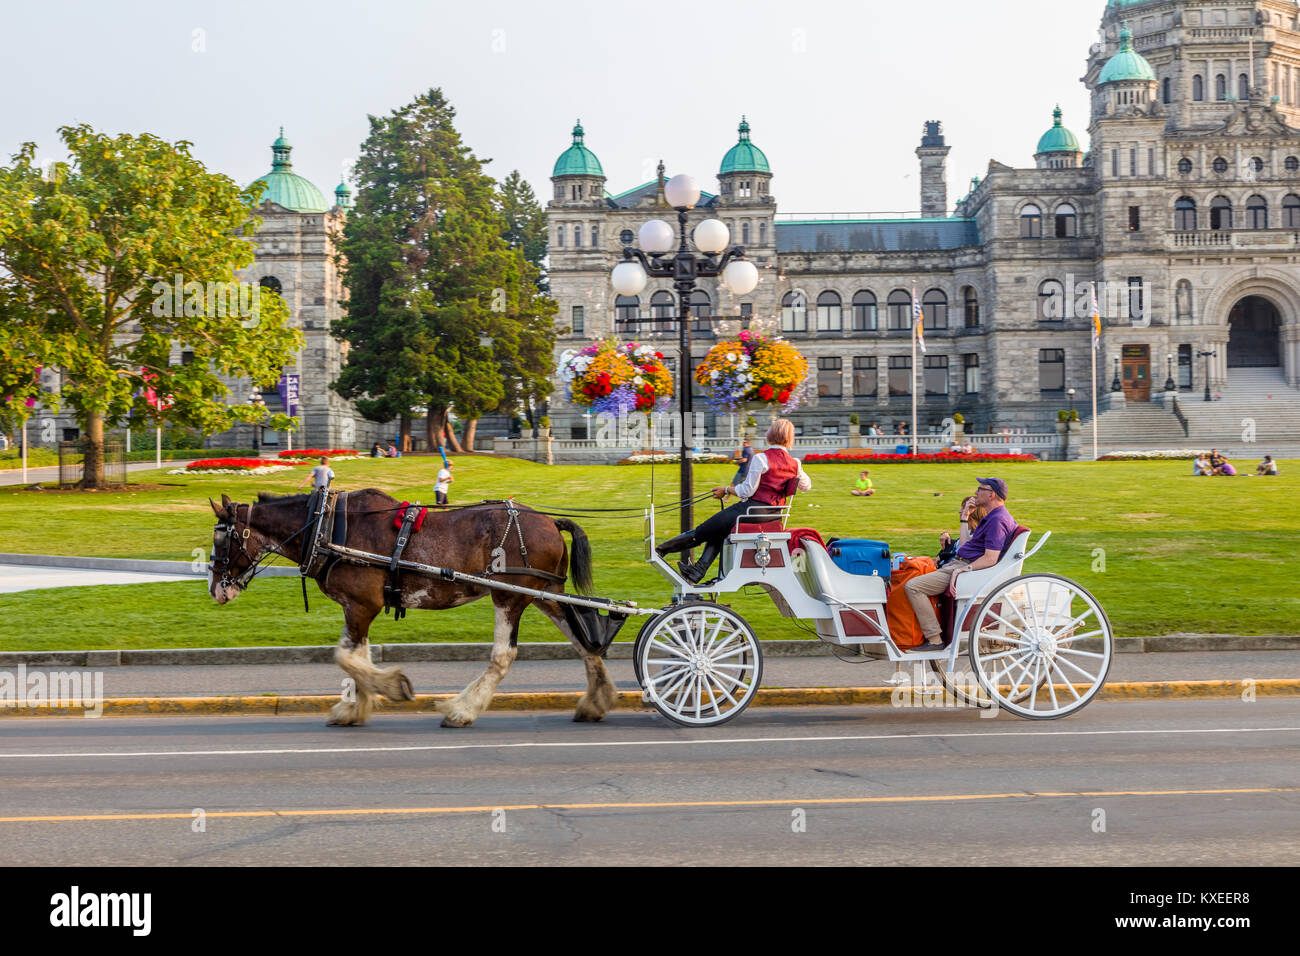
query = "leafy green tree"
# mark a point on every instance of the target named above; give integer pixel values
(116, 258)
(442, 312)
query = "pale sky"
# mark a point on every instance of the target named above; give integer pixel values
(836, 91)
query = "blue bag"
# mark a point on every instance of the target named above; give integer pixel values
(861, 556)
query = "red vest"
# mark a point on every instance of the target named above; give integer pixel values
(772, 487)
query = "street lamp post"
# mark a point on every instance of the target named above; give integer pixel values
(1069, 395)
(255, 398)
(1169, 372)
(1115, 386)
(629, 277)
(1206, 354)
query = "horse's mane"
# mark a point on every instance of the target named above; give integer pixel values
(264, 497)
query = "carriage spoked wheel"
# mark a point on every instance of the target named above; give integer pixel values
(1041, 646)
(699, 663)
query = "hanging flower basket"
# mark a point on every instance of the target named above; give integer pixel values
(614, 378)
(753, 370)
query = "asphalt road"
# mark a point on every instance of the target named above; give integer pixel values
(1210, 782)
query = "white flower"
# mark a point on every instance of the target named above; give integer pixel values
(731, 356)
(638, 380)
(713, 376)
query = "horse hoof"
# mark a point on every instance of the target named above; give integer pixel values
(586, 718)
(457, 720)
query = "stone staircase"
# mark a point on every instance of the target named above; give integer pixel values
(1257, 414)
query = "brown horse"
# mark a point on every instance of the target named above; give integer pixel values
(461, 539)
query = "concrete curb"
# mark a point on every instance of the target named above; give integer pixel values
(548, 651)
(274, 705)
(183, 568)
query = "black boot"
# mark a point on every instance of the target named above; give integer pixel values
(682, 542)
(694, 572)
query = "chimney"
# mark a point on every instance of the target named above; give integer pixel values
(934, 185)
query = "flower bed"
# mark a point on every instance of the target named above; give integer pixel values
(670, 457)
(237, 466)
(317, 453)
(1175, 454)
(855, 456)
(753, 370)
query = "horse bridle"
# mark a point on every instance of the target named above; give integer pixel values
(225, 532)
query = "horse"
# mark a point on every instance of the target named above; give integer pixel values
(462, 539)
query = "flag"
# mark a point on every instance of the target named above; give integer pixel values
(918, 320)
(1096, 320)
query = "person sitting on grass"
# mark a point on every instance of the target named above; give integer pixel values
(1220, 465)
(1201, 466)
(1266, 467)
(764, 484)
(862, 487)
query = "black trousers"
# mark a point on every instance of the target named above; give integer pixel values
(715, 529)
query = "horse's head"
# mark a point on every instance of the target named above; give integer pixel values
(236, 548)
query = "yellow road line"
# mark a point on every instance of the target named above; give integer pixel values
(669, 805)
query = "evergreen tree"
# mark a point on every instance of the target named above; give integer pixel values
(525, 223)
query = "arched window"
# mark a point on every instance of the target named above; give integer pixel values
(1185, 214)
(762, 233)
(272, 283)
(1185, 166)
(1256, 213)
(794, 312)
(663, 312)
(1220, 87)
(971, 307)
(1031, 222)
(1183, 301)
(1243, 87)
(900, 310)
(830, 316)
(1198, 88)
(1291, 211)
(595, 236)
(559, 238)
(864, 311)
(934, 306)
(1051, 301)
(1221, 213)
(577, 237)
(627, 310)
(1292, 164)
(701, 304)
(744, 233)
(1166, 90)
(1067, 221)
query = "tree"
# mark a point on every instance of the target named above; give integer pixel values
(442, 311)
(525, 223)
(120, 256)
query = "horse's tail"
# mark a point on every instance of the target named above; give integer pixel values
(580, 565)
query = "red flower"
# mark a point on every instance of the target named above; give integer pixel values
(784, 396)
(659, 355)
(766, 393)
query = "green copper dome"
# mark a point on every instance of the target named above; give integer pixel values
(744, 157)
(286, 188)
(1127, 64)
(1058, 139)
(577, 160)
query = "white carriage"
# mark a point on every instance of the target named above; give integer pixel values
(1038, 644)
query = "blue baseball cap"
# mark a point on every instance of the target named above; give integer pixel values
(995, 485)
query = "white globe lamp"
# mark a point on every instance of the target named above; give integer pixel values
(740, 277)
(711, 236)
(655, 237)
(628, 278)
(682, 191)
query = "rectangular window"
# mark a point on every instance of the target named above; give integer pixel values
(864, 316)
(1051, 370)
(864, 376)
(798, 430)
(794, 319)
(1114, 162)
(829, 318)
(830, 381)
(1134, 218)
(1133, 161)
(1136, 301)
(1151, 161)
(187, 357)
(1185, 367)
(579, 322)
(936, 375)
(746, 314)
(900, 314)
(595, 236)
(972, 366)
(900, 375)
(831, 428)
(559, 238)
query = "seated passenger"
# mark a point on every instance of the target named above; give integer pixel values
(982, 550)
(764, 484)
(970, 515)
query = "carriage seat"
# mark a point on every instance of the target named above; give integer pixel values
(1009, 565)
(828, 580)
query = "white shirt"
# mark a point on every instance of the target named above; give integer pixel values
(444, 481)
(757, 465)
(322, 475)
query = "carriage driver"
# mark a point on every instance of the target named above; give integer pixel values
(982, 550)
(764, 484)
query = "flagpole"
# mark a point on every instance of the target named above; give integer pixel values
(1094, 403)
(914, 448)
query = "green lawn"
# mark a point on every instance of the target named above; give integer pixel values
(1180, 553)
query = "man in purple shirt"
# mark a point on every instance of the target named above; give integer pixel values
(982, 550)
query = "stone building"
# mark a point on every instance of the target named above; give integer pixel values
(1184, 212)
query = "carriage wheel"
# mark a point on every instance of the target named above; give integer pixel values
(699, 663)
(1025, 647)
(963, 685)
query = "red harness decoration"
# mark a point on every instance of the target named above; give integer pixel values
(419, 518)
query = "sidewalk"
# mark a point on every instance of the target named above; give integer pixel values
(14, 476)
(559, 676)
